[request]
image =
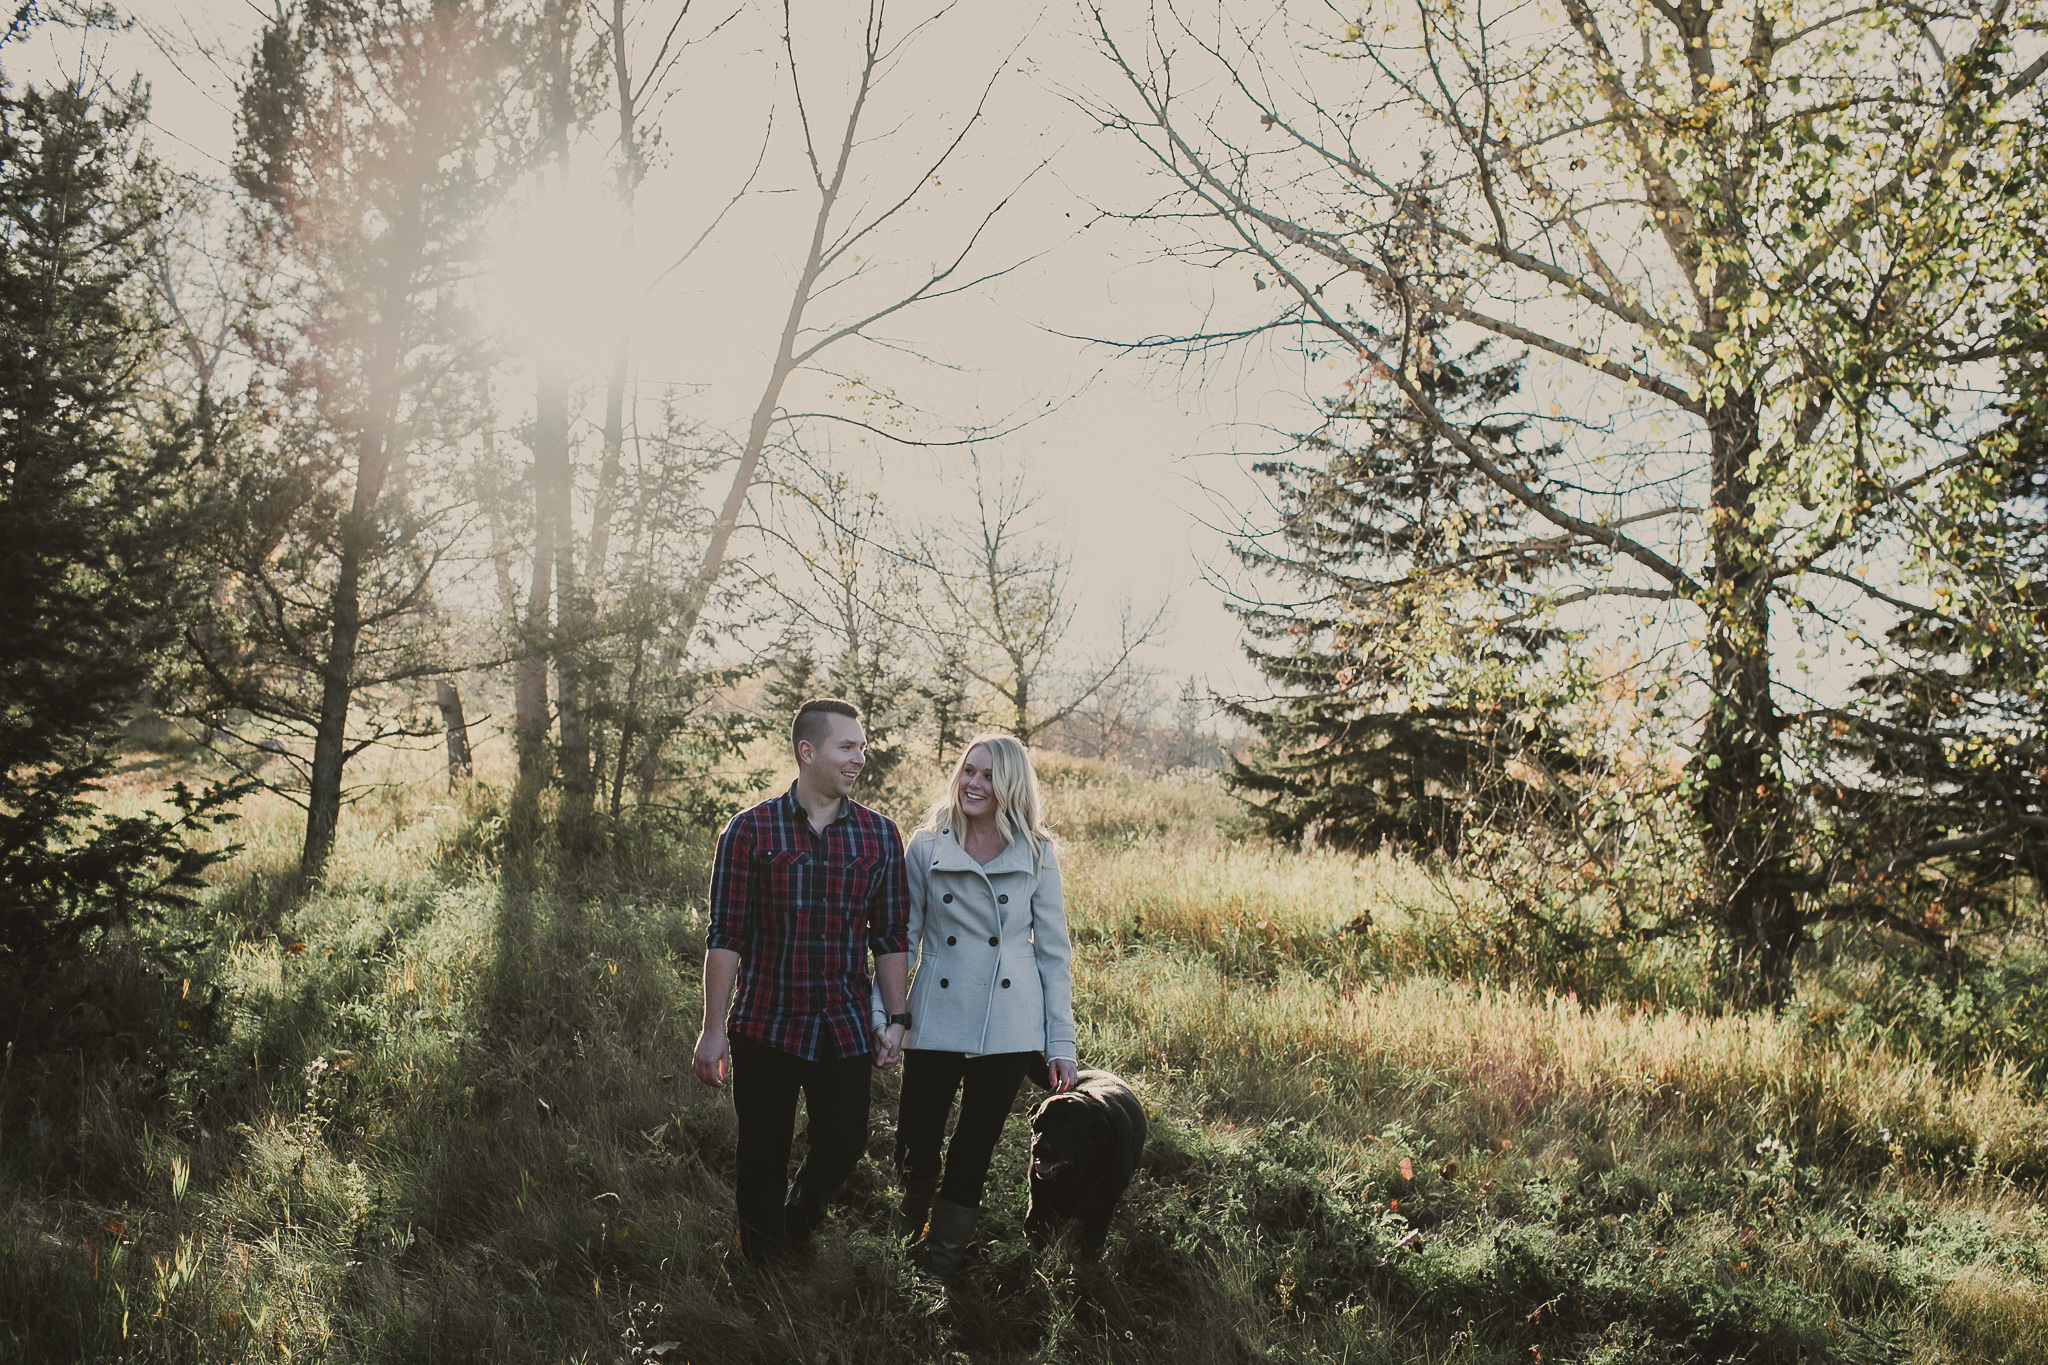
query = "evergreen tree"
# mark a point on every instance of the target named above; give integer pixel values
(91, 513)
(1394, 721)
(370, 184)
(1949, 738)
(949, 695)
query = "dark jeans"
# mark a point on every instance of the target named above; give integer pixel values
(765, 1081)
(986, 1086)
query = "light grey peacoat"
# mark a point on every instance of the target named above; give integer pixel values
(990, 951)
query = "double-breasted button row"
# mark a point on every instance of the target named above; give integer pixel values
(1003, 899)
(1006, 983)
(950, 940)
(948, 898)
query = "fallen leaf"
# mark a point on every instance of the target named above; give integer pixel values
(1407, 1169)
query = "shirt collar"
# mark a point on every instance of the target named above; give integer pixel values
(797, 812)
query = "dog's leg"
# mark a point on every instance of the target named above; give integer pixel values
(1037, 1218)
(1095, 1229)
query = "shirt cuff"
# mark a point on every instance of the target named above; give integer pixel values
(719, 938)
(885, 944)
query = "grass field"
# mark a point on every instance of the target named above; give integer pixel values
(437, 1107)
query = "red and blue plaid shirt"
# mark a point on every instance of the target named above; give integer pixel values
(803, 908)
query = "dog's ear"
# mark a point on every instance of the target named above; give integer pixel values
(1042, 1108)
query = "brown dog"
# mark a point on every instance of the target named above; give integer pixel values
(1085, 1144)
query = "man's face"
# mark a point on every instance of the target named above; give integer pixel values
(833, 764)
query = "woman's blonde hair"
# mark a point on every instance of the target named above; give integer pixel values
(1019, 809)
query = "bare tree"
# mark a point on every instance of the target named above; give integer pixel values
(850, 589)
(1735, 230)
(1010, 608)
(1114, 724)
(846, 231)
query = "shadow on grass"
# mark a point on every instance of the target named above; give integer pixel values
(443, 1112)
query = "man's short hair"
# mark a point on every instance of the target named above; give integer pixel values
(810, 725)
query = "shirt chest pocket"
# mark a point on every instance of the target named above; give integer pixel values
(860, 872)
(788, 861)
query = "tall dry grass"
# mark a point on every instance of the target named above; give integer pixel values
(436, 1106)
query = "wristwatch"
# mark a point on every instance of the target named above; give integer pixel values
(903, 1019)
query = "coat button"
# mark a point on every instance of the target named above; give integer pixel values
(950, 940)
(1006, 983)
(947, 898)
(1002, 900)
(943, 983)
(993, 940)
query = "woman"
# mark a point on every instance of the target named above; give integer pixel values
(992, 998)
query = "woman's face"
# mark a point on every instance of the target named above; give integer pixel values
(977, 784)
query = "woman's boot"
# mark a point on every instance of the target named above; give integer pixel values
(918, 1192)
(945, 1239)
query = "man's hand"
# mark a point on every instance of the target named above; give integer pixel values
(1062, 1071)
(889, 1045)
(714, 1055)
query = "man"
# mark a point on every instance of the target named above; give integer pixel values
(804, 886)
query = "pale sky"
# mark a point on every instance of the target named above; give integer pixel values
(1133, 457)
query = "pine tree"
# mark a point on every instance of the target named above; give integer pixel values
(370, 183)
(1393, 723)
(92, 508)
(1950, 736)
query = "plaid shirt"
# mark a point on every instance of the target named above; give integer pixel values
(802, 909)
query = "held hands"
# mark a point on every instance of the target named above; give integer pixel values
(1062, 1071)
(714, 1056)
(888, 1045)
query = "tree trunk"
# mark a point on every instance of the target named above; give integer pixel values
(1021, 700)
(358, 542)
(1740, 796)
(330, 734)
(553, 490)
(337, 672)
(460, 764)
(530, 683)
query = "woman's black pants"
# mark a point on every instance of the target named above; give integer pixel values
(765, 1081)
(986, 1086)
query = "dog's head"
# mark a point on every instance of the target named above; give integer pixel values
(1069, 1132)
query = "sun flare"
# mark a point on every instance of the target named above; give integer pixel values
(562, 279)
